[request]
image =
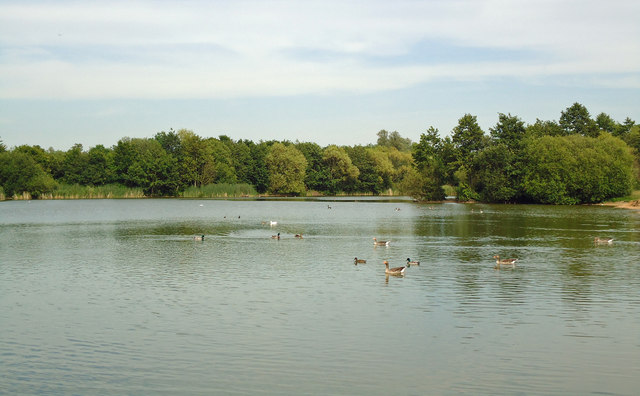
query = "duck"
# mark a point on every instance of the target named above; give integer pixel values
(275, 236)
(376, 242)
(499, 262)
(357, 261)
(393, 271)
(409, 262)
(299, 236)
(198, 238)
(603, 240)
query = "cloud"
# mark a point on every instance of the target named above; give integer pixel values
(202, 49)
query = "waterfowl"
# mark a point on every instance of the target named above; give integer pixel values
(275, 236)
(376, 242)
(198, 238)
(409, 262)
(299, 236)
(499, 262)
(603, 240)
(393, 271)
(357, 261)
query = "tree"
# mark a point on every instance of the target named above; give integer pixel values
(99, 170)
(74, 166)
(496, 174)
(19, 173)
(286, 166)
(606, 123)
(393, 139)
(196, 159)
(576, 169)
(544, 128)
(144, 163)
(428, 147)
(341, 170)
(467, 138)
(316, 175)
(576, 120)
(509, 130)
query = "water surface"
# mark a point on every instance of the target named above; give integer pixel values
(115, 297)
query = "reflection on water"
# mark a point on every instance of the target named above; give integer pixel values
(115, 296)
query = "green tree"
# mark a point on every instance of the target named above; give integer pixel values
(197, 165)
(576, 169)
(341, 170)
(393, 139)
(74, 165)
(468, 138)
(316, 175)
(577, 120)
(99, 170)
(509, 130)
(20, 172)
(606, 123)
(544, 128)
(286, 166)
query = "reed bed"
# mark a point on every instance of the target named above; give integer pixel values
(75, 191)
(220, 190)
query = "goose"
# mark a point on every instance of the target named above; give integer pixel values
(299, 236)
(198, 238)
(275, 236)
(357, 261)
(409, 262)
(603, 240)
(393, 271)
(376, 242)
(499, 263)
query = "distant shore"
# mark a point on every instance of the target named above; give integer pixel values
(634, 205)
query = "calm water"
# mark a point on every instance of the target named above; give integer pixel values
(114, 297)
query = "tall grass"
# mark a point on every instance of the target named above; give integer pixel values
(76, 191)
(220, 190)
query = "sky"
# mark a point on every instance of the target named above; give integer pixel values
(330, 71)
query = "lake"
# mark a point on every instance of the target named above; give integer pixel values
(116, 297)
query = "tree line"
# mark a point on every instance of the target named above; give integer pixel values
(578, 159)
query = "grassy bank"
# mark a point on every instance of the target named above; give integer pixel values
(221, 190)
(75, 191)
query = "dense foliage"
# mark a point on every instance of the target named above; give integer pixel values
(575, 160)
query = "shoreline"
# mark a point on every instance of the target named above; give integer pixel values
(633, 205)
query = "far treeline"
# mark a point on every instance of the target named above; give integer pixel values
(575, 160)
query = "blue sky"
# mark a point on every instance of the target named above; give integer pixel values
(331, 72)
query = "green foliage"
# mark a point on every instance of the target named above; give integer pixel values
(219, 190)
(496, 174)
(76, 191)
(341, 170)
(286, 166)
(576, 120)
(468, 138)
(393, 139)
(544, 128)
(20, 173)
(422, 184)
(576, 169)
